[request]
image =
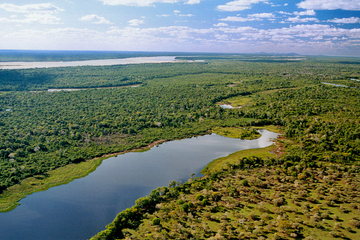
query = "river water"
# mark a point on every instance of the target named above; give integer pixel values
(83, 207)
(102, 62)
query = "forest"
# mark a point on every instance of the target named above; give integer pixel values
(41, 131)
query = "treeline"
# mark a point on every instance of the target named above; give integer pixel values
(305, 71)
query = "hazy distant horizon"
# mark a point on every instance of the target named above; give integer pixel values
(306, 27)
(161, 53)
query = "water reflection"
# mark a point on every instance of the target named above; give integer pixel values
(85, 206)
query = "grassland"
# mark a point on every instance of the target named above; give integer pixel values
(9, 198)
(233, 132)
(237, 101)
(222, 163)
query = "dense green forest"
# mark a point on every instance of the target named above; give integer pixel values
(42, 131)
(45, 130)
(252, 199)
(322, 151)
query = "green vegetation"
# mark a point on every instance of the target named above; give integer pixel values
(41, 131)
(252, 199)
(271, 128)
(307, 189)
(59, 176)
(237, 101)
(222, 163)
(242, 133)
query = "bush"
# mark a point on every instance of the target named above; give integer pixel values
(156, 221)
(354, 223)
(199, 197)
(185, 207)
(245, 183)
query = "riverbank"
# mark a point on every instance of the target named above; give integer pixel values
(270, 151)
(9, 198)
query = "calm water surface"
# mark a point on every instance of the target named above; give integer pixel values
(83, 207)
(102, 62)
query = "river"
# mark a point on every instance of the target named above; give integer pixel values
(102, 62)
(83, 207)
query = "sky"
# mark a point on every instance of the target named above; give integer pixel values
(308, 27)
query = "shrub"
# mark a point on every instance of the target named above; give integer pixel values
(354, 223)
(199, 197)
(156, 221)
(279, 201)
(185, 207)
(245, 183)
(204, 202)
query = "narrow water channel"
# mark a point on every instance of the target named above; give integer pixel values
(83, 207)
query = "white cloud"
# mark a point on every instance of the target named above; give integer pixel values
(285, 4)
(297, 19)
(186, 15)
(262, 15)
(345, 20)
(135, 22)
(250, 17)
(307, 12)
(221, 25)
(193, 2)
(221, 36)
(163, 15)
(42, 18)
(239, 5)
(285, 13)
(177, 11)
(145, 3)
(28, 8)
(303, 38)
(318, 38)
(330, 4)
(237, 19)
(33, 18)
(95, 19)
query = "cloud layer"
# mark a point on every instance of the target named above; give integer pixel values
(28, 8)
(351, 5)
(145, 3)
(95, 19)
(303, 26)
(239, 5)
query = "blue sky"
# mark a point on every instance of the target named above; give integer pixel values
(327, 27)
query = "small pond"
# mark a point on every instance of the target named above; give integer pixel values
(228, 106)
(334, 84)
